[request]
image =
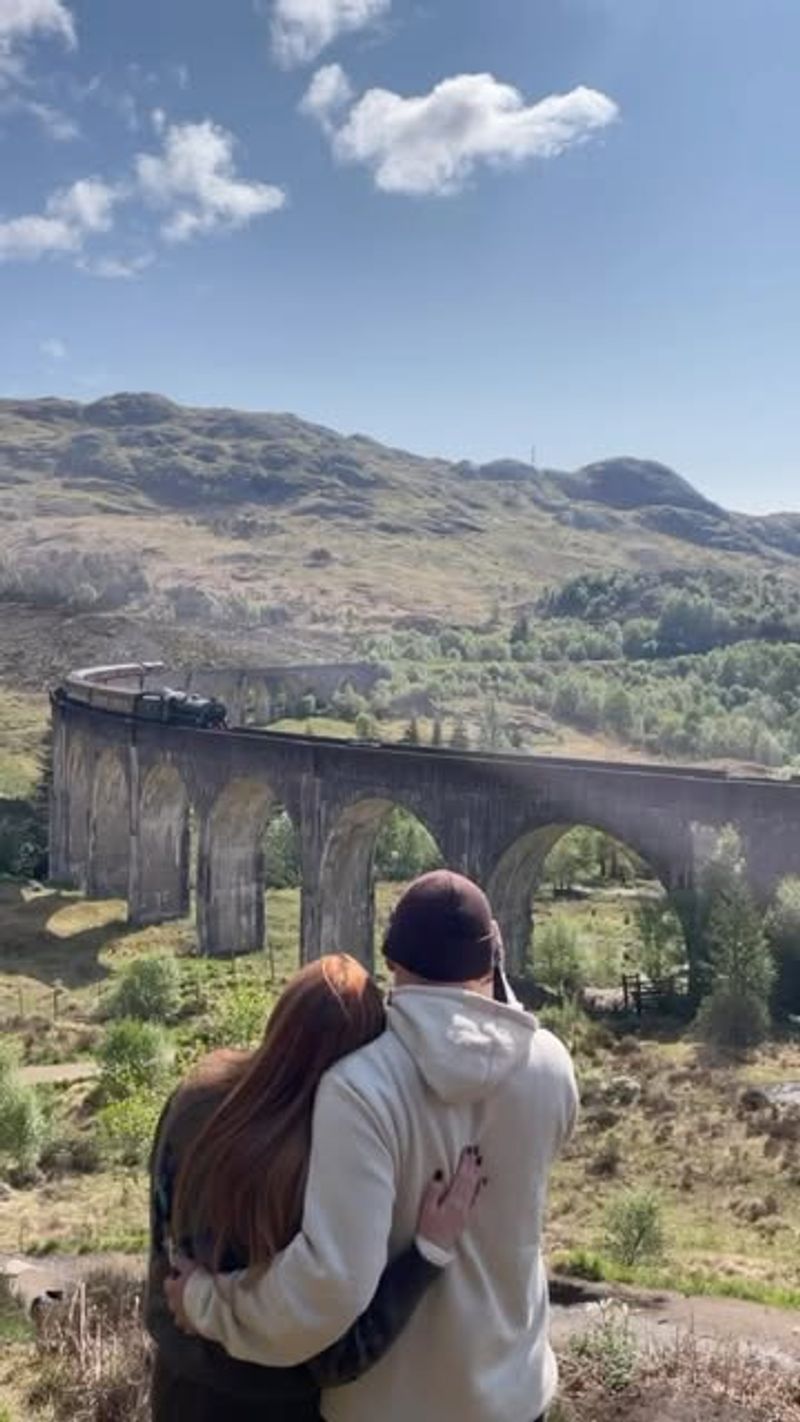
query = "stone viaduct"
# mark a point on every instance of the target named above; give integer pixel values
(251, 693)
(128, 795)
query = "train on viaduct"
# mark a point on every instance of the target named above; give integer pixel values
(132, 785)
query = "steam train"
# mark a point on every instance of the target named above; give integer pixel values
(100, 688)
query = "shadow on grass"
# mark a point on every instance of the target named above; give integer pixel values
(57, 937)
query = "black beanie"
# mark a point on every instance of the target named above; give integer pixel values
(442, 930)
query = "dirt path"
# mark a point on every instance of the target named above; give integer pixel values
(59, 1074)
(661, 1318)
(658, 1318)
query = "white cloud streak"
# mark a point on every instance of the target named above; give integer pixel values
(431, 145)
(194, 180)
(23, 19)
(301, 29)
(116, 268)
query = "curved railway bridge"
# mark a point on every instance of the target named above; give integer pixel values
(128, 793)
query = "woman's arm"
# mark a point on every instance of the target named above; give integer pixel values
(404, 1282)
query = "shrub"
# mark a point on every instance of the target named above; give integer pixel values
(149, 991)
(608, 1158)
(609, 1345)
(240, 1018)
(558, 959)
(736, 1013)
(23, 1125)
(133, 1056)
(94, 1355)
(661, 946)
(281, 853)
(125, 1129)
(732, 1020)
(568, 1021)
(783, 928)
(635, 1228)
(79, 1155)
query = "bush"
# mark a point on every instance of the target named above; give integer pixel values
(125, 1129)
(568, 1021)
(149, 991)
(733, 1020)
(635, 1228)
(606, 1162)
(23, 1125)
(23, 1128)
(133, 1056)
(281, 853)
(783, 929)
(662, 950)
(78, 1155)
(608, 1347)
(557, 957)
(240, 1018)
(93, 1355)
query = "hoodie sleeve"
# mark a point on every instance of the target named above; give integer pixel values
(403, 1284)
(326, 1277)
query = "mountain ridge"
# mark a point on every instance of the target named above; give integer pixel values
(267, 523)
(623, 482)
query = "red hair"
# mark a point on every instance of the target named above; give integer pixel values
(242, 1180)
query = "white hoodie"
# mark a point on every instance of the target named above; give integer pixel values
(453, 1069)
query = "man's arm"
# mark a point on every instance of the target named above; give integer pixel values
(325, 1278)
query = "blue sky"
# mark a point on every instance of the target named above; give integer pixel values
(463, 226)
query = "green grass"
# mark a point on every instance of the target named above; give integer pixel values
(14, 1326)
(598, 1268)
(23, 718)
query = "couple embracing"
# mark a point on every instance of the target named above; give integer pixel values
(346, 1223)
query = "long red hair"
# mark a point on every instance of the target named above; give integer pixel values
(241, 1181)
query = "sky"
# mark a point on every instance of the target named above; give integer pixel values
(471, 228)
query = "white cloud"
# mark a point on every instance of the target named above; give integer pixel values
(301, 29)
(431, 144)
(53, 348)
(57, 125)
(70, 216)
(194, 179)
(27, 238)
(329, 92)
(21, 19)
(87, 206)
(116, 268)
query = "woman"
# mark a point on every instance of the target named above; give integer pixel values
(228, 1175)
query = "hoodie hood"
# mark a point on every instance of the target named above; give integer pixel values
(463, 1044)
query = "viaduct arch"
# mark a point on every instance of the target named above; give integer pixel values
(124, 791)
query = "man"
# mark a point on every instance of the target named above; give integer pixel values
(460, 1062)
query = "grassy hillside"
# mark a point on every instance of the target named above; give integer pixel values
(601, 612)
(217, 519)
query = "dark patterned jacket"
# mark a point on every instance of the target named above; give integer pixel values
(202, 1362)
